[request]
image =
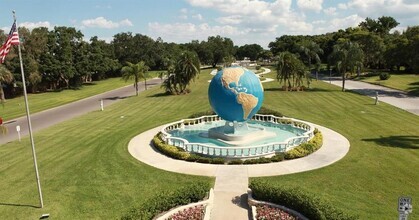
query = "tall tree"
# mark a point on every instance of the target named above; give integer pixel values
(179, 76)
(311, 51)
(134, 71)
(381, 26)
(346, 56)
(220, 47)
(5, 77)
(290, 71)
(250, 51)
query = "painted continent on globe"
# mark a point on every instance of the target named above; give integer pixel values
(235, 94)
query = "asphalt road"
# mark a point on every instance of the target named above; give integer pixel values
(393, 97)
(65, 112)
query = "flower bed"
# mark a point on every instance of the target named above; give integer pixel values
(265, 212)
(191, 213)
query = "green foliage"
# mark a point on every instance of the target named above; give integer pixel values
(165, 200)
(235, 162)
(346, 56)
(291, 71)
(305, 149)
(258, 67)
(169, 150)
(384, 76)
(179, 75)
(180, 154)
(309, 205)
(135, 71)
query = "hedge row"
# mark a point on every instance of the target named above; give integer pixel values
(305, 149)
(167, 200)
(309, 205)
(180, 154)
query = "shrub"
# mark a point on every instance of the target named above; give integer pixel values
(258, 67)
(305, 149)
(169, 150)
(303, 202)
(217, 160)
(384, 76)
(278, 157)
(237, 161)
(166, 200)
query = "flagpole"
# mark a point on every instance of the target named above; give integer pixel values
(29, 120)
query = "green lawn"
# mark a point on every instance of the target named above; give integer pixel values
(87, 172)
(405, 82)
(14, 108)
(382, 162)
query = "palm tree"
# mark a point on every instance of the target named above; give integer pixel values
(186, 69)
(135, 71)
(311, 50)
(5, 77)
(290, 70)
(346, 56)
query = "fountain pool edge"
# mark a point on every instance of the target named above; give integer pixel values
(335, 147)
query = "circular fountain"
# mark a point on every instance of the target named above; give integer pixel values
(236, 94)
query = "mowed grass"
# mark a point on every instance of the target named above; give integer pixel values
(15, 107)
(404, 82)
(85, 168)
(383, 160)
(87, 172)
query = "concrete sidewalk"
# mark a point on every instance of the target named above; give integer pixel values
(393, 97)
(232, 180)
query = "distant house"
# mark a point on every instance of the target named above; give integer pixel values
(245, 62)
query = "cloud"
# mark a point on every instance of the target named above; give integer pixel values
(310, 5)
(232, 19)
(376, 8)
(197, 17)
(339, 23)
(185, 32)
(32, 25)
(101, 22)
(330, 11)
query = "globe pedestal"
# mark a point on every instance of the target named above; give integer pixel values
(239, 133)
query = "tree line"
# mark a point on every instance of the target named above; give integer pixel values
(60, 58)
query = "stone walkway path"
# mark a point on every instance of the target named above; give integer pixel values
(232, 180)
(393, 97)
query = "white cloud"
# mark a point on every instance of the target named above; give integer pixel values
(101, 22)
(339, 23)
(197, 17)
(232, 19)
(32, 25)
(185, 32)
(342, 6)
(330, 11)
(310, 5)
(376, 8)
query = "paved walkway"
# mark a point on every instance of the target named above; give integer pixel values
(65, 112)
(393, 97)
(231, 181)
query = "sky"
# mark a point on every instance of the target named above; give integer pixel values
(180, 21)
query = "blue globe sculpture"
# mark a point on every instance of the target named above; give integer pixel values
(235, 94)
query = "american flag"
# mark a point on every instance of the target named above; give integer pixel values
(12, 39)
